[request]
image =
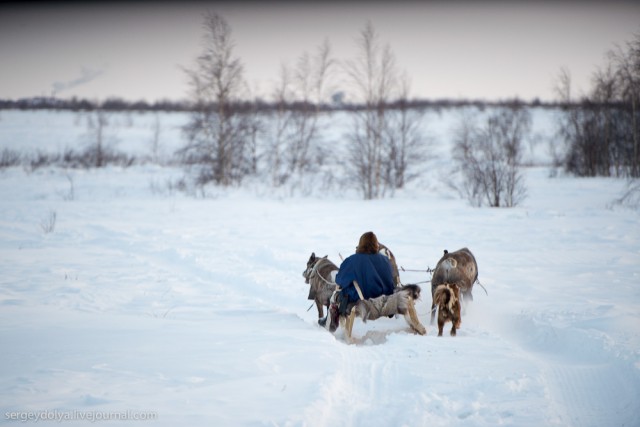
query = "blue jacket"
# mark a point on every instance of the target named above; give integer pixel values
(373, 273)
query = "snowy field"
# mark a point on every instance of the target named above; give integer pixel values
(141, 303)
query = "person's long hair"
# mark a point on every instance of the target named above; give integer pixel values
(368, 244)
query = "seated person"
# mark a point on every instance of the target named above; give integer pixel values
(370, 269)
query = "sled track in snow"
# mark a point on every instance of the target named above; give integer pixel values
(586, 383)
(567, 375)
(366, 389)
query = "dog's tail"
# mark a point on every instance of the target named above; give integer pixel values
(444, 296)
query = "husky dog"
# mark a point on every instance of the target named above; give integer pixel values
(320, 274)
(402, 301)
(447, 297)
(459, 268)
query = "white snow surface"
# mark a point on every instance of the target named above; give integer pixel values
(195, 309)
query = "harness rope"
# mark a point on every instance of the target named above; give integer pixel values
(431, 271)
(485, 290)
(428, 270)
(314, 270)
(316, 265)
(417, 283)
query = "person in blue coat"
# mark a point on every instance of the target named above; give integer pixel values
(370, 269)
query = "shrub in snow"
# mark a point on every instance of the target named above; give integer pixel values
(489, 157)
(9, 157)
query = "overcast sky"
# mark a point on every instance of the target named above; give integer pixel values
(475, 50)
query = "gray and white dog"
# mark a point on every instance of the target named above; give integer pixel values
(402, 301)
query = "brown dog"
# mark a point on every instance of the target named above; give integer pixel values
(447, 298)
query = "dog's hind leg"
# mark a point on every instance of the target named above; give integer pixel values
(411, 316)
(440, 325)
(349, 323)
(433, 312)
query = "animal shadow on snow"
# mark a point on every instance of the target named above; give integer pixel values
(372, 336)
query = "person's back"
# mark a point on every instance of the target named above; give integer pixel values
(369, 269)
(372, 272)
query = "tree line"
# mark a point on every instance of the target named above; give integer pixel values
(229, 138)
(119, 105)
(386, 140)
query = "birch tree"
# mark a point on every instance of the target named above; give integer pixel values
(217, 131)
(373, 75)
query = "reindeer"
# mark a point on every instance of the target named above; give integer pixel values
(320, 275)
(455, 268)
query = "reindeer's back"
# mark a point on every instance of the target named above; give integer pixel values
(457, 267)
(323, 288)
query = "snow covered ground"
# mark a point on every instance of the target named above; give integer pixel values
(145, 304)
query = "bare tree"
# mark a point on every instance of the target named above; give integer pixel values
(627, 65)
(373, 75)
(406, 144)
(217, 130)
(631, 195)
(386, 139)
(604, 151)
(101, 141)
(296, 131)
(578, 154)
(567, 126)
(310, 78)
(489, 157)
(97, 125)
(562, 86)
(48, 224)
(9, 157)
(281, 124)
(154, 141)
(602, 133)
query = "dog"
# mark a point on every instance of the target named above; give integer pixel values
(447, 298)
(320, 275)
(402, 301)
